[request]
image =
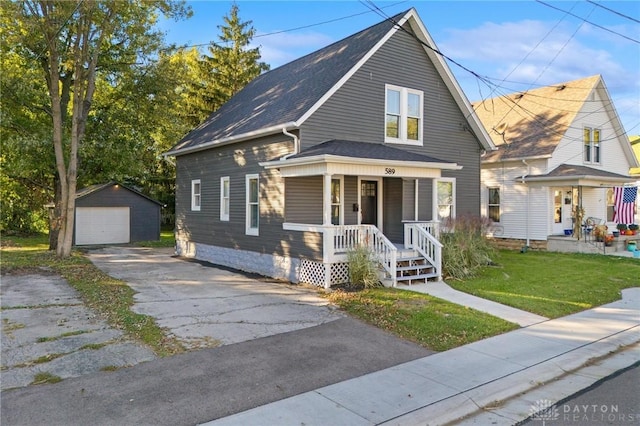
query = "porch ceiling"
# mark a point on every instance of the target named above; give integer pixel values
(360, 158)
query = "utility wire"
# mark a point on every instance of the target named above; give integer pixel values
(589, 22)
(614, 11)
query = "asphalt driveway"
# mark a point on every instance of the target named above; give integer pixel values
(261, 342)
(206, 306)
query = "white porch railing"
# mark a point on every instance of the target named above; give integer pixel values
(348, 237)
(420, 237)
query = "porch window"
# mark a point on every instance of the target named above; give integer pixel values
(196, 195)
(224, 198)
(403, 122)
(336, 201)
(445, 200)
(591, 145)
(253, 205)
(494, 204)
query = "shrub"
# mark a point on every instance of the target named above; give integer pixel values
(363, 268)
(466, 247)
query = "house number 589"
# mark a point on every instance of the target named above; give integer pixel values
(389, 171)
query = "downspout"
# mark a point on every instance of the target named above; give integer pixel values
(296, 144)
(528, 200)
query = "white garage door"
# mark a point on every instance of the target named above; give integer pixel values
(102, 225)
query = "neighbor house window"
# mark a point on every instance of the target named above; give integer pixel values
(591, 145)
(445, 196)
(224, 198)
(336, 201)
(403, 121)
(196, 190)
(611, 203)
(253, 205)
(494, 204)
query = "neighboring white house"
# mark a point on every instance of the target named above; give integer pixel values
(561, 148)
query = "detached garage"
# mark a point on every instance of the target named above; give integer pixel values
(112, 213)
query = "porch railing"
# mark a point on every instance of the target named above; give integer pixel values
(349, 237)
(420, 238)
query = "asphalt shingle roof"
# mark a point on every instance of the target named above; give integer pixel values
(286, 93)
(343, 148)
(571, 171)
(535, 121)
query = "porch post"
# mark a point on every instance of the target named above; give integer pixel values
(326, 200)
(415, 200)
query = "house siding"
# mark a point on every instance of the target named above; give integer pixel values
(392, 210)
(204, 228)
(357, 111)
(144, 214)
(304, 200)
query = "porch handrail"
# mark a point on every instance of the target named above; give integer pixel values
(349, 237)
(428, 246)
(431, 226)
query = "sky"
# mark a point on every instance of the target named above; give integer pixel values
(518, 45)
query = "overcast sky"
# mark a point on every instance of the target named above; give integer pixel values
(517, 44)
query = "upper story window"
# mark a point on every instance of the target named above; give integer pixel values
(403, 120)
(196, 190)
(494, 204)
(224, 198)
(591, 145)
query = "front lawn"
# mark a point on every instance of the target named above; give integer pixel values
(553, 284)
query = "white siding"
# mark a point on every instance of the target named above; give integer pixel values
(514, 220)
(593, 114)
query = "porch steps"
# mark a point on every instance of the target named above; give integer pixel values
(411, 269)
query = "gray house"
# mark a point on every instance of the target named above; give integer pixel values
(367, 141)
(111, 213)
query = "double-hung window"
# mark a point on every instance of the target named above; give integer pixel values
(591, 145)
(336, 201)
(196, 197)
(224, 198)
(403, 115)
(253, 205)
(445, 200)
(494, 204)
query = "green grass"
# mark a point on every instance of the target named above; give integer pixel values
(428, 321)
(110, 297)
(553, 284)
(42, 378)
(167, 239)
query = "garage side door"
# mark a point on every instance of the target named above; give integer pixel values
(102, 225)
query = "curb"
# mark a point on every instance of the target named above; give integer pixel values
(489, 397)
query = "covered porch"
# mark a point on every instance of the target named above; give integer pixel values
(362, 194)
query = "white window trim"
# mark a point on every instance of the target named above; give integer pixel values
(341, 203)
(435, 197)
(404, 92)
(224, 216)
(592, 145)
(489, 205)
(196, 198)
(248, 229)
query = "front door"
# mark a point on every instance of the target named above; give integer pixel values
(562, 205)
(369, 202)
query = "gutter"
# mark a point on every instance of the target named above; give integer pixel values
(232, 139)
(524, 182)
(296, 144)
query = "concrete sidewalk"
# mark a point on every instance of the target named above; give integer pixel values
(448, 386)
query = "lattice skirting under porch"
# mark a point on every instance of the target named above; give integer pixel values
(312, 272)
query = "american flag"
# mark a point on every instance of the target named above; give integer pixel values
(624, 203)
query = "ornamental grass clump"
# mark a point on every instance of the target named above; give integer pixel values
(363, 268)
(466, 247)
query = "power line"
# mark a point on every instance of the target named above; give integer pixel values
(614, 11)
(589, 22)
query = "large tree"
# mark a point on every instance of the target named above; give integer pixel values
(231, 63)
(73, 42)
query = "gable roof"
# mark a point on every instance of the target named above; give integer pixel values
(92, 189)
(567, 171)
(285, 97)
(531, 124)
